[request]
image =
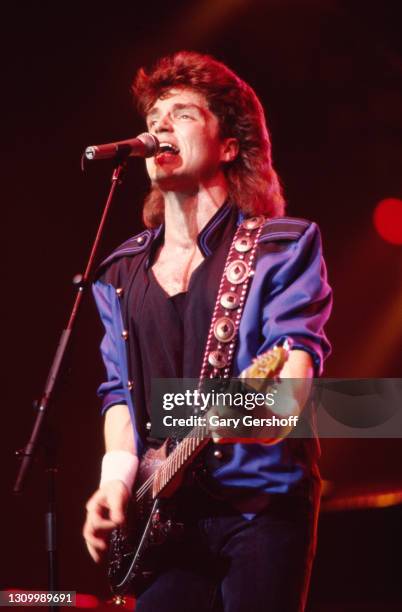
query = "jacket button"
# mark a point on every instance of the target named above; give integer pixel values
(124, 334)
(119, 292)
(140, 239)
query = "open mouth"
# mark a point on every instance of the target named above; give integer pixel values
(167, 147)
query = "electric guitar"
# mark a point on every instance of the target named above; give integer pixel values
(133, 554)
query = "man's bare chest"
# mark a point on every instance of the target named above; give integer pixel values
(173, 270)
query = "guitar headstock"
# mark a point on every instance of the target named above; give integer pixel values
(267, 365)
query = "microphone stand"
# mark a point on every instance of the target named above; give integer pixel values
(57, 368)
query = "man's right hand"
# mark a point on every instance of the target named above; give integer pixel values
(105, 511)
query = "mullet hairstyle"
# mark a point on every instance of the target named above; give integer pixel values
(253, 184)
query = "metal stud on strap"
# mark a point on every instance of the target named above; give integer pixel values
(237, 271)
(242, 245)
(217, 359)
(230, 300)
(253, 222)
(224, 329)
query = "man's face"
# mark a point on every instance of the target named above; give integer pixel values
(183, 120)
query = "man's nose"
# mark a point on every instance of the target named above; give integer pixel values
(164, 124)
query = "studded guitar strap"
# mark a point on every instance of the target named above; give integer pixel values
(232, 293)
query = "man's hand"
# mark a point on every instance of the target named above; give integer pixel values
(105, 511)
(291, 394)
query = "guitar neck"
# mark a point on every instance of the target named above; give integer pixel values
(183, 454)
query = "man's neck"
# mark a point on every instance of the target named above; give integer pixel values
(186, 215)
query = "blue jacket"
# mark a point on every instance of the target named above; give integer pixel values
(289, 297)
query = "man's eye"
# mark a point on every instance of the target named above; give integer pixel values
(185, 116)
(151, 122)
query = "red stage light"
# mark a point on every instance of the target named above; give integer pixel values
(387, 220)
(85, 600)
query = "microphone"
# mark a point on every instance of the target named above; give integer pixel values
(145, 145)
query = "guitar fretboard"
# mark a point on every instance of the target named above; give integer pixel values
(182, 455)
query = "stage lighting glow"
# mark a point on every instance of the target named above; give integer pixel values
(85, 600)
(387, 220)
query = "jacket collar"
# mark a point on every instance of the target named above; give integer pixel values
(150, 239)
(209, 237)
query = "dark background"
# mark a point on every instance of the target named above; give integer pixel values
(329, 75)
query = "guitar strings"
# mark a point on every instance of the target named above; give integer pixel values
(194, 434)
(149, 482)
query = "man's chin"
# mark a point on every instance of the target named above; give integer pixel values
(171, 182)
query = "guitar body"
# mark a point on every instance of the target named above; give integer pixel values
(136, 551)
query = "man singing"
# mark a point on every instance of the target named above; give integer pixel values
(249, 545)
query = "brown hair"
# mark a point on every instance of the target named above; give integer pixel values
(253, 183)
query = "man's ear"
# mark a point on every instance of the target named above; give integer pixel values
(230, 149)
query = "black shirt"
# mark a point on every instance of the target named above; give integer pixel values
(167, 335)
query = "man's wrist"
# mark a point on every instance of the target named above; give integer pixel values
(119, 465)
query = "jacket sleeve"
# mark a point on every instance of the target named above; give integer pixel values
(112, 390)
(297, 299)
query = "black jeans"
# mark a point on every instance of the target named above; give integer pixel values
(229, 563)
